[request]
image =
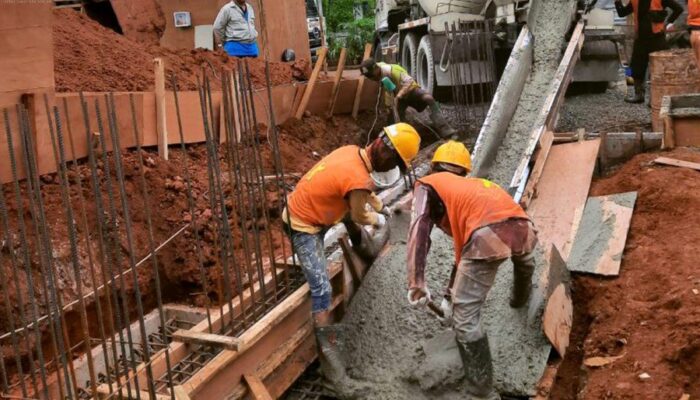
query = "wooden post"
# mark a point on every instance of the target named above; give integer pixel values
(336, 83)
(361, 83)
(312, 82)
(258, 391)
(161, 128)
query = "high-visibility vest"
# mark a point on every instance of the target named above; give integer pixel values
(655, 5)
(694, 13)
(320, 196)
(470, 204)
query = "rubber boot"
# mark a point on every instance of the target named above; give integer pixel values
(335, 377)
(441, 126)
(638, 95)
(522, 286)
(478, 369)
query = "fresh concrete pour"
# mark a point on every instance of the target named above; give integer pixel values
(406, 353)
(549, 21)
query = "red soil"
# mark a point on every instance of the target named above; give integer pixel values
(649, 315)
(90, 57)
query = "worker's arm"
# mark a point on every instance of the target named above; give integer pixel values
(376, 203)
(625, 10)
(676, 8)
(419, 237)
(221, 22)
(358, 212)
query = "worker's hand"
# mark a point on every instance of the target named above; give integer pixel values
(446, 307)
(381, 221)
(419, 297)
(670, 28)
(385, 211)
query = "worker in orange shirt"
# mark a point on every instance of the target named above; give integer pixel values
(694, 26)
(487, 227)
(337, 185)
(651, 21)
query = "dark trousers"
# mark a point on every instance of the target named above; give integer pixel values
(643, 46)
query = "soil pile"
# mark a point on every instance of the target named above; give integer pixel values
(90, 57)
(650, 314)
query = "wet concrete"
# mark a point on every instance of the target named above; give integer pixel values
(549, 21)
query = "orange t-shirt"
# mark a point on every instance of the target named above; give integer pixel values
(470, 204)
(320, 198)
(694, 13)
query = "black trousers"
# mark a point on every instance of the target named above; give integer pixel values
(643, 46)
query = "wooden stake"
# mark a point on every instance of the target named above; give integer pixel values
(258, 391)
(161, 128)
(361, 83)
(312, 82)
(336, 83)
(677, 163)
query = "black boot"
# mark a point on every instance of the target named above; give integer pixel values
(478, 369)
(522, 280)
(638, 96)
(333, 368)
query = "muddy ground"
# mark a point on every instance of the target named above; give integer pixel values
(650, 314)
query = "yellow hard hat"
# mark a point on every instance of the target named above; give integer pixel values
(405, 140)
(454, 153)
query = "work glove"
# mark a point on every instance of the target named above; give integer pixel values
(419, 297)
(446, 307)
(670, 28)
(381, 221)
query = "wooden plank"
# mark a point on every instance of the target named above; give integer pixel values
(602, 234)
(312, 82)
(677, 163)
(258, 391)
(546, 142)
(103, 393)
(180, 393)
(558, 319)
(550, 110)
(206, 339)
(161, 124)
(336, 82)
(361, 84)
(562, 191)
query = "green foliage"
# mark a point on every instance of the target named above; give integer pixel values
(345, 31)
(353, 36)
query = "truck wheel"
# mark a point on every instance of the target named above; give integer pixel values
(425, 66)
(409, 48)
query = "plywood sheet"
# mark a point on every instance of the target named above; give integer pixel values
(562, 191)
(602, 234)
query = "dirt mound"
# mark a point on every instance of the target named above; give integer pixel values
(90, 57)
(650, 314)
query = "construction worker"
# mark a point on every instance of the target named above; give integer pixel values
(650, 23)
(487, 227)
(235, 29)
(694, 26)
(338, 184)
(407, 93)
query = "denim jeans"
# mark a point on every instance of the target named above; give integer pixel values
(309, 250)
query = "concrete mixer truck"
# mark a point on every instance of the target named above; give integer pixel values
(413, 33)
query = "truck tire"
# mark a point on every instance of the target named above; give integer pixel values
(409, 49)
(425, 66)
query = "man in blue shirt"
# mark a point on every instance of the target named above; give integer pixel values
(235, 29)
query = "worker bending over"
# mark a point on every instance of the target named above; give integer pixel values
(407, 93)
(338, 184)
(487, 227)
(694, 26)
(651, 21)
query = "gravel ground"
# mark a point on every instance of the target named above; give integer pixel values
(604, 112)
